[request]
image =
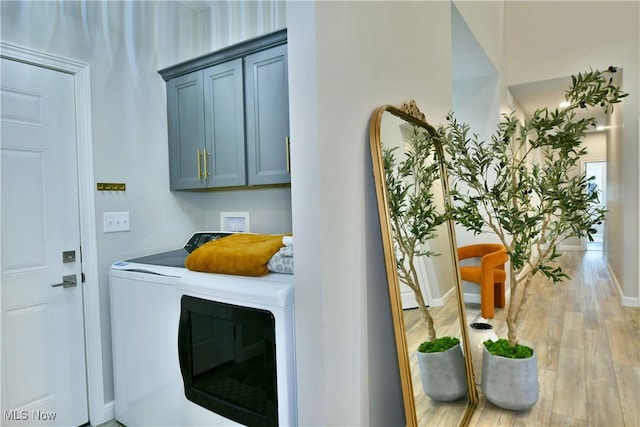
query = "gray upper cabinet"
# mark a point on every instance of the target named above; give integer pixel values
(224, 158)
(228, 116)
(186, 131)
(267, 116)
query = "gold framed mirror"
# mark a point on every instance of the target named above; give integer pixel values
(422, 263)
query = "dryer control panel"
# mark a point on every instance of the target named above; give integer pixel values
(200, 238)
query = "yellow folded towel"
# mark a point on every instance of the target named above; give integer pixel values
(242, 254)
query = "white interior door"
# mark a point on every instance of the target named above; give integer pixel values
(407, 296)
(597, 169)
(43, 363)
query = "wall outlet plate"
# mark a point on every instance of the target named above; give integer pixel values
(114, 222)
(235, 222)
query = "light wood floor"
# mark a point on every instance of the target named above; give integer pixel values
(588, 350)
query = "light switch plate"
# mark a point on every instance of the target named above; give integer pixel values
(115, 222)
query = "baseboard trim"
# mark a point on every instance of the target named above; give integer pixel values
(625, 301)
(409, 300)
(439, 302)
(570, 248)
(630, 302)
(472, 298)
(110, 410)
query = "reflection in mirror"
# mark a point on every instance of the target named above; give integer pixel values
(422, 266)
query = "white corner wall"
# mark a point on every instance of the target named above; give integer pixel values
(476, 93)
(486, 20)
(345, 59)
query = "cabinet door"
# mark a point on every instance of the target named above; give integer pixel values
(186, 131)
(224, 125)
(267, 116)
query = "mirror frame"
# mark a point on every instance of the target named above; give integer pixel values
(391, 268)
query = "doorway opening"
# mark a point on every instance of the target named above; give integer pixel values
(599, 171)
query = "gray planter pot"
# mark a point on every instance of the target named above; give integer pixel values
(479, 332)
(443, 374)
(510, 383)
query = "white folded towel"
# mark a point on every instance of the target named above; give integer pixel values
(280, 263)
(286, 251)
(287, 240)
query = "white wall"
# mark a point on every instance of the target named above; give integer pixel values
(346, 58)
(486, 19)
(125, 44)
(476, 90)
(229, 22)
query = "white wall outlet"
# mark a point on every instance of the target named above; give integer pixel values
(235, 222)
(115, 222)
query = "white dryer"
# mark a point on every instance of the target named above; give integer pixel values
(236, 350)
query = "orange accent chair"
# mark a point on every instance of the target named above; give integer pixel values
(490, 274)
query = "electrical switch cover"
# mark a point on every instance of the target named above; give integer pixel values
(116, 222)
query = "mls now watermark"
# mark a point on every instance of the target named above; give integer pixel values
(25, 415)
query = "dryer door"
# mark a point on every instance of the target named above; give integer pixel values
(228, 360)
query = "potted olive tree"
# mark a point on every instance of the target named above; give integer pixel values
(410, 177)
(531, 205)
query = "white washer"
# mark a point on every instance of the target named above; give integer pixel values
(144, 327)
(272, 293)
(144, 330)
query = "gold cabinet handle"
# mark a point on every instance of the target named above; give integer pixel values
(205, 155)
(287, 146)
(199, 171)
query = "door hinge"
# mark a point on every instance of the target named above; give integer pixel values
(82, 278)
